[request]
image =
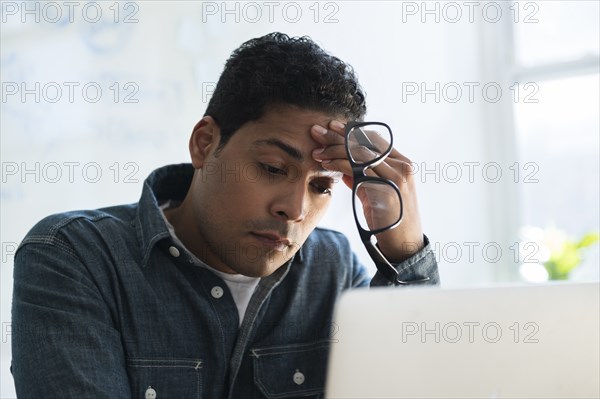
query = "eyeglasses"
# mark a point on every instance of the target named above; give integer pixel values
(376, 201)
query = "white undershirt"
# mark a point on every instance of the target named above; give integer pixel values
(241, 287)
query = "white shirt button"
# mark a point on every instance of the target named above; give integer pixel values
(298, 377)
(150, 393)
(174, 251)
(216, 292)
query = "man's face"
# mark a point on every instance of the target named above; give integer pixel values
(257, 200)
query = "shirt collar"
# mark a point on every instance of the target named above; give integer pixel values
(167, 183)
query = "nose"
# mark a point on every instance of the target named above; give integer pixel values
(290, 205)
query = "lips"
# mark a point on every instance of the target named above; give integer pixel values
(272, 240)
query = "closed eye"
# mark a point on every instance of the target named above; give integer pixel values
(273, 170)
(320, 188)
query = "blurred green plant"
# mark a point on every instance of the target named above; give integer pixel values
(555, 255)
(568, 256)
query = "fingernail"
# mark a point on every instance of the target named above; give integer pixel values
(338, 125)
(317, 154)
(319, 129)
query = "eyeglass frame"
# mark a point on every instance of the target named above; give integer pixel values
(359, 177)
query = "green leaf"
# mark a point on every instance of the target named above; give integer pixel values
(588, 239)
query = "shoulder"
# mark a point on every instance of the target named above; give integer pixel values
(321, 234)
(63, 228)
(327, 245)
(328, 260)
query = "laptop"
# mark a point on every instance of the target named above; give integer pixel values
(533, 341)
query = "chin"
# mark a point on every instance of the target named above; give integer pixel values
(258, 270)
(264, 268)
(252, 261)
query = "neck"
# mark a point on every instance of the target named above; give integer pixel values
(183, 221)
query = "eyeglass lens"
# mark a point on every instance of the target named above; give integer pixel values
(368, 142)
(377, 205)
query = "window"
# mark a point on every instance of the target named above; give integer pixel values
(557, 130)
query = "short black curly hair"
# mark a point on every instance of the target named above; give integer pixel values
(277, 69)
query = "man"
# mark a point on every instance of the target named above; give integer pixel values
(217, 283)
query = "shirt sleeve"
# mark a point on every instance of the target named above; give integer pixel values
(64, 341)
(419, 266)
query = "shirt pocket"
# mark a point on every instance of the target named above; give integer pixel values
(289, 371)
(165, 378)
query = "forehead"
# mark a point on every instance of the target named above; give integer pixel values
(284, 130)
(289, 122)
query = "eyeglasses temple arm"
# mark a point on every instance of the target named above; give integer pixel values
(386, 268)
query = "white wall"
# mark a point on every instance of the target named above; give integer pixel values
(174, 53)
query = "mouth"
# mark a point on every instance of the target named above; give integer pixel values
(271, 240)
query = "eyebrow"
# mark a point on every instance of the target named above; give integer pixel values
(288, 149)
(291, 151)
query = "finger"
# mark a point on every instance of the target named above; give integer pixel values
(395, 154)
(396, 170)
(338, 152)
(343, 166)
(337, 165)
(325, 136)
(330, 152)
(363, 154)
(338, 127)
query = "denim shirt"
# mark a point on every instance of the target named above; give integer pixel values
(106, 305)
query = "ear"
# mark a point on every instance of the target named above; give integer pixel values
(204, 140)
